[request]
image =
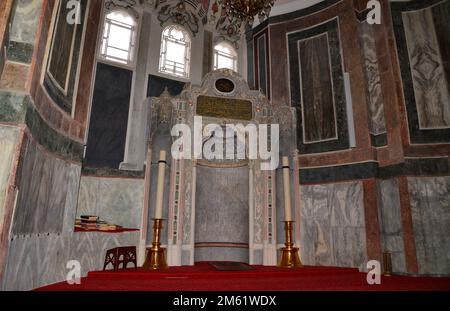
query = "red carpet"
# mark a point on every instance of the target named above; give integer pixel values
(203, 277)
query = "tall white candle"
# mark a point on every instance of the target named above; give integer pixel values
(287, 190)
(160, 186)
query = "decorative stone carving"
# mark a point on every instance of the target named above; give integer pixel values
(165, 107)
(223, 85)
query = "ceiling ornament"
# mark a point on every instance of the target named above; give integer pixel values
(198, 7)
(227, 27)
(246, 10)
(183, 13)
(128, 5)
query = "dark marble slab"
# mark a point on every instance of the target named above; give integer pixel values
(362, 15)
(262, 77)
(62, 54)
(207, 64)
(379, 140)
(339, 173)
(250, 58)
(318, 103)
(157, 84)
(411, 167)
(109, 172)
(296, 71)
(109, 117)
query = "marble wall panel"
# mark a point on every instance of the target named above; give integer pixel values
(423, 47)
(73, 187)
(221, 254)
(431, 89)
(222, 210)
(42, 240)
(319, 120)
(87, 64)
(40, 260)
(332, 225)
(64, 57)
(259, 182)
(12, 107)
(25, 20)
(187, 211)
(116, 200)
(374, 92)
(61, 47)
(8, 141)
(391, 223)
(441, 14)
(430, 208)
(42, 192)
(315, 66)
(23, 26)
(13, 76)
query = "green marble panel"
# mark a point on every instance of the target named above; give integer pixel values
(19, 52)
(50, 139)
(12, 107)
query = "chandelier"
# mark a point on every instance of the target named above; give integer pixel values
(246, 10)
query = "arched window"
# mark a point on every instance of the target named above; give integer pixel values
(225, 56)
(119, 37)
(175, 52)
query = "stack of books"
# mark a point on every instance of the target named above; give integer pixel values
(89, 222)
(104, 226)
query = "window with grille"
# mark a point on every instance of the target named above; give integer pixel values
(175, 52)
(225, 56)
(119, 37)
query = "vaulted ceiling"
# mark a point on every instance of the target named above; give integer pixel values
(193, 14)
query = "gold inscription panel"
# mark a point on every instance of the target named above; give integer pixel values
(226, 108)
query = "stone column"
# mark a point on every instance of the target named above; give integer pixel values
(135, 143)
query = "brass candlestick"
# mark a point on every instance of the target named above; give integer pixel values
(387, 264)
(156, 257)
(289, 253)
